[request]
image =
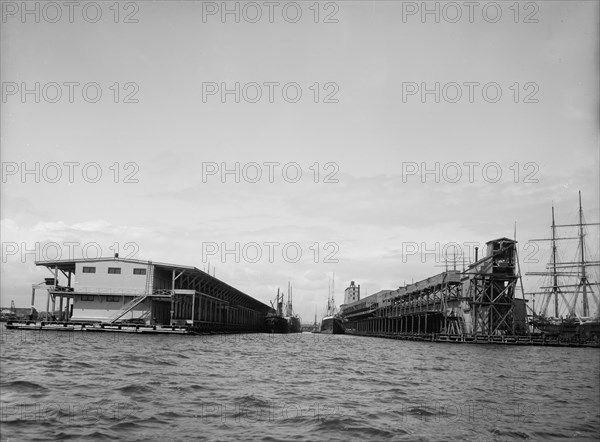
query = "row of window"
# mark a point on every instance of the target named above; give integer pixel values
(108, 298)
(114, 270)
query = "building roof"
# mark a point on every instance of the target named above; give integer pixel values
(69, 264)
(503, 239)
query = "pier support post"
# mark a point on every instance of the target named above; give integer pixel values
(32, 300)
(47, 304)
(193, 307)
(172, 296)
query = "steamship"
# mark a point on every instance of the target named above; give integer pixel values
(332, 322)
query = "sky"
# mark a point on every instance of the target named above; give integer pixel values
(365, 140)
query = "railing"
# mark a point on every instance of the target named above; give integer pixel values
(110, 291)
(104, 291)
(162, 292)
(60, 288)
(127, 308)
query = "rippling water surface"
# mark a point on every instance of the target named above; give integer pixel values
(86, 386)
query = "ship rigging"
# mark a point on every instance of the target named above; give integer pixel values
(569, 285)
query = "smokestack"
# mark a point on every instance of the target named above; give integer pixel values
(476, 253)
(116, 255)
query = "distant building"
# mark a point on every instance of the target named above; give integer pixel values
(352, 293)
(17, 314)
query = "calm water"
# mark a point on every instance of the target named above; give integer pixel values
(78, 386)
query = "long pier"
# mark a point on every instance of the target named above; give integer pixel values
(127, 295)
(477, 305)
(63, 326)
(530, 340)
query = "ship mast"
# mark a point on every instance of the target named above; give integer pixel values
(289, 308)
(555, 288)
(332, 295)
(279, 304)
(583, 284)
(329, 299)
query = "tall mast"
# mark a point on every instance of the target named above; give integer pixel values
(279, 307)
(288, 307)
(554, 274)
(332, 295)
(328, 296)
(576, 268)
(581, 246)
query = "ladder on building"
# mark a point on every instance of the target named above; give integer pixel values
(138, 299)
(127, 308)
(149, 277)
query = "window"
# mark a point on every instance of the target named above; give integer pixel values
(89, 270)
(139, 271)
(113, 299)
(114, 270)
(87, 297)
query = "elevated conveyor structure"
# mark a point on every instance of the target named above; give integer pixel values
(458, 306)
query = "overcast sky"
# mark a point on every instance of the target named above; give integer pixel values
(517, 95)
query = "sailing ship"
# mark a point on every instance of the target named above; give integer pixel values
(569, 288)
(331, 322)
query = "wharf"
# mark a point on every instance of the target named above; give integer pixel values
(530, 340)
(114, 328)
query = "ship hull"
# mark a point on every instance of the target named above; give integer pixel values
(294, 325)
(277, 324)
(569, 329)
(589, 330)
(559, 330)
(332, 325)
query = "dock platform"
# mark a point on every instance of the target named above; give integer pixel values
(530, 340)
(114, 328)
